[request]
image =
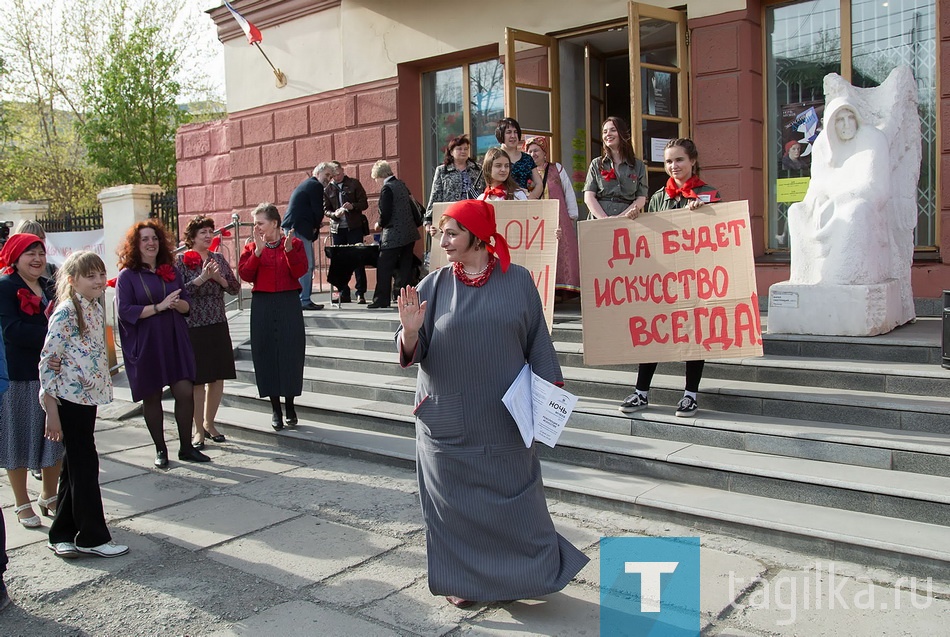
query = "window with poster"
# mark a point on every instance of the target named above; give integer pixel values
(467, 98)
(863, 41)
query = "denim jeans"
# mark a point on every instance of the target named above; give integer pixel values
(306, 281)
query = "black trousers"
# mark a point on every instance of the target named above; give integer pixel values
(345, 237)
(396, 261)
(694, 374)
(79, 515)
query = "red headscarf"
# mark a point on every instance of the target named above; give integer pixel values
(15, 246)
(478, 217)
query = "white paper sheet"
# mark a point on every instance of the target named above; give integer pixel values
(541, 409)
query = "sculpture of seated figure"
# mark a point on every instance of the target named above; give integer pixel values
(852, 237)
(839, 232)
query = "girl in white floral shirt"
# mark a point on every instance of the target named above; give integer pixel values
(71, 398)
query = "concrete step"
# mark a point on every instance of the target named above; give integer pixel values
(873, 490)
(821, 404)
(919, 379)
(876, 447)
(824, 531)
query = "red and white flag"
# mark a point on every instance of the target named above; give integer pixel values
(252, 32)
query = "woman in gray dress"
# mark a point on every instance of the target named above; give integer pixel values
(472, 326)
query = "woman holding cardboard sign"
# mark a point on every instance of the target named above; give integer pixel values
(617, 181)
(684, 189)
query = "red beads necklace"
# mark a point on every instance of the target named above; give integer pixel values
(478, 279)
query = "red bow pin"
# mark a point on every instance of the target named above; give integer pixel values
(29, 302)
(191, 259)
(608, 175)
(166, 272)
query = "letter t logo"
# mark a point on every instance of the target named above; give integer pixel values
(650, 582)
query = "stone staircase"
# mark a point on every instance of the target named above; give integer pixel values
(835, 446)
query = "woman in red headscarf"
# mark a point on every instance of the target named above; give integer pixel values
(684, 189)
(25, 294)
(471, 326)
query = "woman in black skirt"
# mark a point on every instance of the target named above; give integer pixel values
(207, 276)
(273, 264)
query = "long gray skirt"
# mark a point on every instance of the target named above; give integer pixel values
(22, 429)
(489, 535)
(277, 343)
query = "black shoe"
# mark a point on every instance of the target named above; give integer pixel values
(313, 306)
(161, 459)
(360, 299)
(276, 421)
(219, 438)
(376, 305)
(192, 455)
(291, 419)
(198, 445)
(344, 299)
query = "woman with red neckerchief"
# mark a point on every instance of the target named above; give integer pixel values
(471, 326)
(152, 301)
(616, 181)
(500, 184)
(25, 295)
(684, 189)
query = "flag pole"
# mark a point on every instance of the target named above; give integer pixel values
(281, 78)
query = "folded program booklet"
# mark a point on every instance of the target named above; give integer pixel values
(540, 408)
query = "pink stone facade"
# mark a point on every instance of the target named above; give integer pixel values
(261, 155)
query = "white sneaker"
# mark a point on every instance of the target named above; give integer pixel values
(109, 549)
(63, 549)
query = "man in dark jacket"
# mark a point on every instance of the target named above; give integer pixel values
(400, 233)
(344, 202)
(304, 215)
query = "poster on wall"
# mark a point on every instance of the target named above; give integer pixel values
(659, 85)
(800, 124)
(530, 229)
(674, 286)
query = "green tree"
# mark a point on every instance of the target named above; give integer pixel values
(131, 113)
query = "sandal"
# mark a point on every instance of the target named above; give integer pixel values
(31, 522)
(458, 602)
(47, 504)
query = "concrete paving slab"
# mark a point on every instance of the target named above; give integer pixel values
(18, 535)
(148, 492)
(304, 619)
(110, 470)
(418, 612)
(38, 574)
(572, 612)
(301, 551)
(204, 522)
(378, 578)
(384, 499)
(127, 436)
(723, 578)
(237, 463)
(819, 602)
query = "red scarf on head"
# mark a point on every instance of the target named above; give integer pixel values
(15, 246)
(673, 191)
(497, 191)
(478, 217)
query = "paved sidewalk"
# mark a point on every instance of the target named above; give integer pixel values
(270, 540)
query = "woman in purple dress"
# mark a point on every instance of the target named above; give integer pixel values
(152, 303)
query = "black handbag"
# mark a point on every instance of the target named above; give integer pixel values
(365, 224)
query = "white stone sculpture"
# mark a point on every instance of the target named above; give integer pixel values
(852, 237)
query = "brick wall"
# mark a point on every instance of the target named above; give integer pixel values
(204, 172)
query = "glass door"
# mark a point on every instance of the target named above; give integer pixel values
(531, 85)
(596, 110)
(658, 84)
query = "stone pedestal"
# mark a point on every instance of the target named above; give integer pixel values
(122, 206)
(834, 310)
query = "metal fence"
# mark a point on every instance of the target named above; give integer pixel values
(165, 208)
(72, 221)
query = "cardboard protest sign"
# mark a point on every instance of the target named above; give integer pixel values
(529, 228)
(671, 286)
